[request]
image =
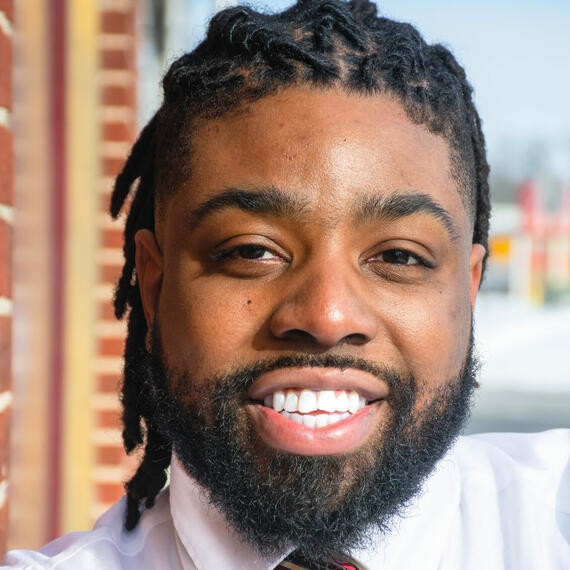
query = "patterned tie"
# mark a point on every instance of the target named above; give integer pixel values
(295, 562)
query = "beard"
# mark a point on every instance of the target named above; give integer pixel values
(321, 505)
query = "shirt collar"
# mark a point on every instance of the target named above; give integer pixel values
(210, 541)
(204, 532)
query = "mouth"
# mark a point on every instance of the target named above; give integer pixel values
(315, 408)
(316, 411)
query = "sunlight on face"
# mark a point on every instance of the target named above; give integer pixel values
(314, 222)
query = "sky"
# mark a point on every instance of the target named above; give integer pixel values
(516, 53)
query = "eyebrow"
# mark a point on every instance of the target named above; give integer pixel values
(273, 201)
(270, 201)
(400, 205)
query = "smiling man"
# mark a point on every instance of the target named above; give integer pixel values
(303, 252)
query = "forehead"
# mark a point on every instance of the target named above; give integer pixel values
(326, 147)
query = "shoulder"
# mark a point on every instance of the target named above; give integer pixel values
(512, 501)
(546, 452)
(108, 545)
(524, 478)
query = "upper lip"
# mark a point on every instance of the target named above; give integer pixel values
(316, 378)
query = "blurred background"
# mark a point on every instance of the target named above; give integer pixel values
(79, 78)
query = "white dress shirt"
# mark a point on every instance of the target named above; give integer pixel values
(494, 502)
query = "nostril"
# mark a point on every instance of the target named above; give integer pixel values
(354, 339)
(301, 336)
(296, 335)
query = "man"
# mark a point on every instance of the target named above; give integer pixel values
(303, 252)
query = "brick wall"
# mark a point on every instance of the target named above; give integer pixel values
(6, 218)
(117, 44)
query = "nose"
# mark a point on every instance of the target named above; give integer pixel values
(327, 308)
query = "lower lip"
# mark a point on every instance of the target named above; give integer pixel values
(285, 434)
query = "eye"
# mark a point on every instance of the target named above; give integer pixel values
(399, 262)
(246, 251)
(252, 251)
(400, 257)
(249, 259)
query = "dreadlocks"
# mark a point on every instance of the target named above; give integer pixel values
(246, 56)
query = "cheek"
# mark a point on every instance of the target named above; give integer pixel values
(432, 333)
(205, 328)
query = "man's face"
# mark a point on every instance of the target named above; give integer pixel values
(315, 225)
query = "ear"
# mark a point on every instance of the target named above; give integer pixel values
(148, 260)
(475, 270)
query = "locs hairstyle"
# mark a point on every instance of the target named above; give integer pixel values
(248, 55)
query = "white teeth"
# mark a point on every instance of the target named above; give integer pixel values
(307, 401)
(297, 418)
(322, 420)
(327, 401)
(309, 420)
(353, 402)
(317, 420)
(279, 401)
(333, 418)
(297, 404)
(291, 401)
(342, 402)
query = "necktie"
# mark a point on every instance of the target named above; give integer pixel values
(296, 563)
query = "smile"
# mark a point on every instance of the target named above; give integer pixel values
(315, 408)
(316, 411)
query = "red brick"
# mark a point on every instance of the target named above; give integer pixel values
(112, 166)
(108, 419)
(5, 71)
(118, 131)
(5, 259)
(117, 23)
(109, 492)
(106, 311)
(109, 455)
(110, 273)
(117, 59)
(119, 96)
(6, 167)
(111, 347)
(113, 237)
(7, 6)
(5, 353)
(108, 383)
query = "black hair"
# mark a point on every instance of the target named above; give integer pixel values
(245, 56)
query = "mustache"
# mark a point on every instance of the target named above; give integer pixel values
(234, 384)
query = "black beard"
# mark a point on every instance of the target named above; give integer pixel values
(321, 505)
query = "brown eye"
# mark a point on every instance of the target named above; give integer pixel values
(251, 251)
(399, 257)
(250, 260)
(248, 251)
